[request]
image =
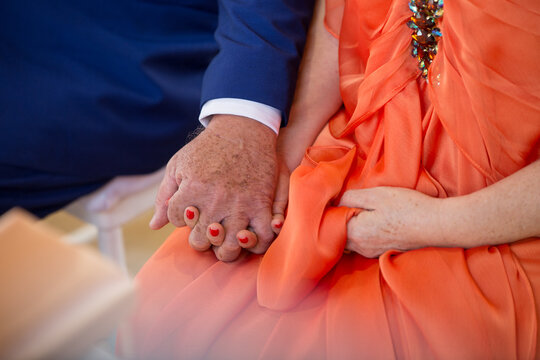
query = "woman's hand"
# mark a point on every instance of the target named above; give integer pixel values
(403, 219)
(393, 218)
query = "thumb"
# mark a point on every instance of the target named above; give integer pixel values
(359, 198)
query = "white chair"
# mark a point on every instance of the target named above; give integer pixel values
(112, 206)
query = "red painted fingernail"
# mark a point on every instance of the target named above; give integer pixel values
(278, 225)
(190, 214)
(243, 240)
(214, 232)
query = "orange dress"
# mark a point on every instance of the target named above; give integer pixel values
(475, 122)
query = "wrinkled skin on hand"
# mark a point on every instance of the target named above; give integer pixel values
(229, 173)
(393, 219)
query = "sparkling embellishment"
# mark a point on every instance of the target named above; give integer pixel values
(426, 34)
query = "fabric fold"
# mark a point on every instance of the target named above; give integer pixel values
(309, 247)
(474, 122)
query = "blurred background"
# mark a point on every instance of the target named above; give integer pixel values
(140, 241)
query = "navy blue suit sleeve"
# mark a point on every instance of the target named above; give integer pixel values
(260, 46)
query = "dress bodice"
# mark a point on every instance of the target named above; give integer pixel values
(478, 85)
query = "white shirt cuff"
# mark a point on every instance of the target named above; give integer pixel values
(262, 113)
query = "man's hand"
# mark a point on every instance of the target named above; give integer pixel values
(229, 174)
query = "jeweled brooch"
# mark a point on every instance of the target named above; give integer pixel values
(426, 33)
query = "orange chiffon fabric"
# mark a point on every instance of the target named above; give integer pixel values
(475, 122)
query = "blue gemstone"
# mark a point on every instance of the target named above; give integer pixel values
(436, 32)
(412, 7)
(412, 25)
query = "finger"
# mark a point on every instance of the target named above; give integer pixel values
(281, 198)
(277, 223)
(261, 225)
(168, 187)
(229, 255)
(177, 206)
(215, 234)
(230, 249)
(246, 239)
(360, 198)
(191, 216)
(197, 237)
(281, 195)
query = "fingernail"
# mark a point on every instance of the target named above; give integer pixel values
(278, 225)
(214, 232)
(243, 240)
(190, 214)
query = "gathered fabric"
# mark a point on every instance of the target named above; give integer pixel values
(475, 121)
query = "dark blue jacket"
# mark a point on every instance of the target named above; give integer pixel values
(99, 88)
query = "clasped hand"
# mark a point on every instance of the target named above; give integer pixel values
(391, 219)
(222, 184)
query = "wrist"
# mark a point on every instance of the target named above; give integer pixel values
(430, 229)
(458, 225)
(244, 132)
